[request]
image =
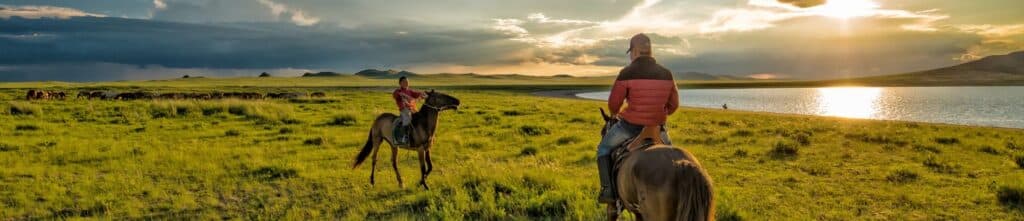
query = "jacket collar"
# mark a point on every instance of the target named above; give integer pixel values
(644, 59)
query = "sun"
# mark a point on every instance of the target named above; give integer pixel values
(845, 9)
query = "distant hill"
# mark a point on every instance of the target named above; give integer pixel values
(1005, 69)
(374, 73)
(699, 76)
(322, 74)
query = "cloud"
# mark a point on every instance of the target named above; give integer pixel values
(159, 4)
(996, 39)
(298, 17)
(36, 12)
(34, 43)
(803, 3)
(111, 72)
(763, 14)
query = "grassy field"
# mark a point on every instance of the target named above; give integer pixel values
(504, 154)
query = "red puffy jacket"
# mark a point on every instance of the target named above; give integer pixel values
(649, 90)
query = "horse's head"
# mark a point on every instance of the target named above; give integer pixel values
(608, 121)
(441, 101)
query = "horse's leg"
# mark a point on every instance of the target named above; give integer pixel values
(423, 169)
(373, 168)
(612, 212)
(394, 164)
(430, 165)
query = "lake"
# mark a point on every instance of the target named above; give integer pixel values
(982, 106)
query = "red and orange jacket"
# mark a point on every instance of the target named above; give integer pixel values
(649, 90)
(406, 103)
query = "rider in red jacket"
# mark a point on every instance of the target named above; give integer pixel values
(405, 98)
(651, 95)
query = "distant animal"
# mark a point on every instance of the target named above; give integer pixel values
(725, 106)
(44, 95)
(318, 94)
(659, 182)
(424, 125)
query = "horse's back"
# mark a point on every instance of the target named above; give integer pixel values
(665, 181)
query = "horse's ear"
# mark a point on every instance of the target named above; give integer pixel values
(604, 115)
(431, 90)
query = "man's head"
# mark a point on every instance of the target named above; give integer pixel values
(403, 82)
(639, 45)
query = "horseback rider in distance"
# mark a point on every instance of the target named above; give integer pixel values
(650, 94)
(405, 98)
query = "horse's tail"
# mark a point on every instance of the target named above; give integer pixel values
(696, 195)
(365, 152)
(369, 146)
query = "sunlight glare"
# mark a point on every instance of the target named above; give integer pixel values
(852, 102)
(846, 9)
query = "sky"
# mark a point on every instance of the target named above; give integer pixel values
(75, 40)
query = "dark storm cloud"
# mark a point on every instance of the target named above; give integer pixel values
(239, 45)
(803, 3)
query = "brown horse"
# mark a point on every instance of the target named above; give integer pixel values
(424, 124)
(660, 182)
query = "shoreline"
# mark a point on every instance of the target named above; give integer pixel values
(571, 94)
(564, 94)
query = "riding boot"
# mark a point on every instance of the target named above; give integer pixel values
(401, 134)
(604, 167)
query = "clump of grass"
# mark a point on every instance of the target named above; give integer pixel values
(990, 150)
(724, 212)
(316, 141)
(577, 120)
(530, 130)
(528, 151)
(1013, 146)
(1011, 196)
(724, 123)
(902, 176)
(803, 139)
(269, 173)
(740, 153)
(26, 127)
(22, 108)
(1019, 159)
(286, 130)
(926, 148)
(743, 133)
(783, 149)
(947, 140)
(568, 140)
(512, 113)
(475, 145)
(342, 120)
(232, 133)
(938, 166)
(7, 147)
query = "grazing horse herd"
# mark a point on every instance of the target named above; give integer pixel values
(44, 95)
(142, 95)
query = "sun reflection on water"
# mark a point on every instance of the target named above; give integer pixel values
(853, 102)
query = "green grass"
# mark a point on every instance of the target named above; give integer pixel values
(503, 155)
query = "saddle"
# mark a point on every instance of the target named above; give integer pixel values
(648, 137)
(398, 131)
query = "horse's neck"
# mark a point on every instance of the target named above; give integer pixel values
(428, 117)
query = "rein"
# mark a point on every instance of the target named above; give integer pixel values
(436, 108)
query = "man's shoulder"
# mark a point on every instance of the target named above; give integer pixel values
(651, 71)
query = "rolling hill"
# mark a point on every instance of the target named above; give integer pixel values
(1005, 69)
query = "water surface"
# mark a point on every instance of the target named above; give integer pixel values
(983, 106)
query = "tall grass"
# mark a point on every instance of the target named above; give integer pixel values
(258, 110)
(23, 108)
